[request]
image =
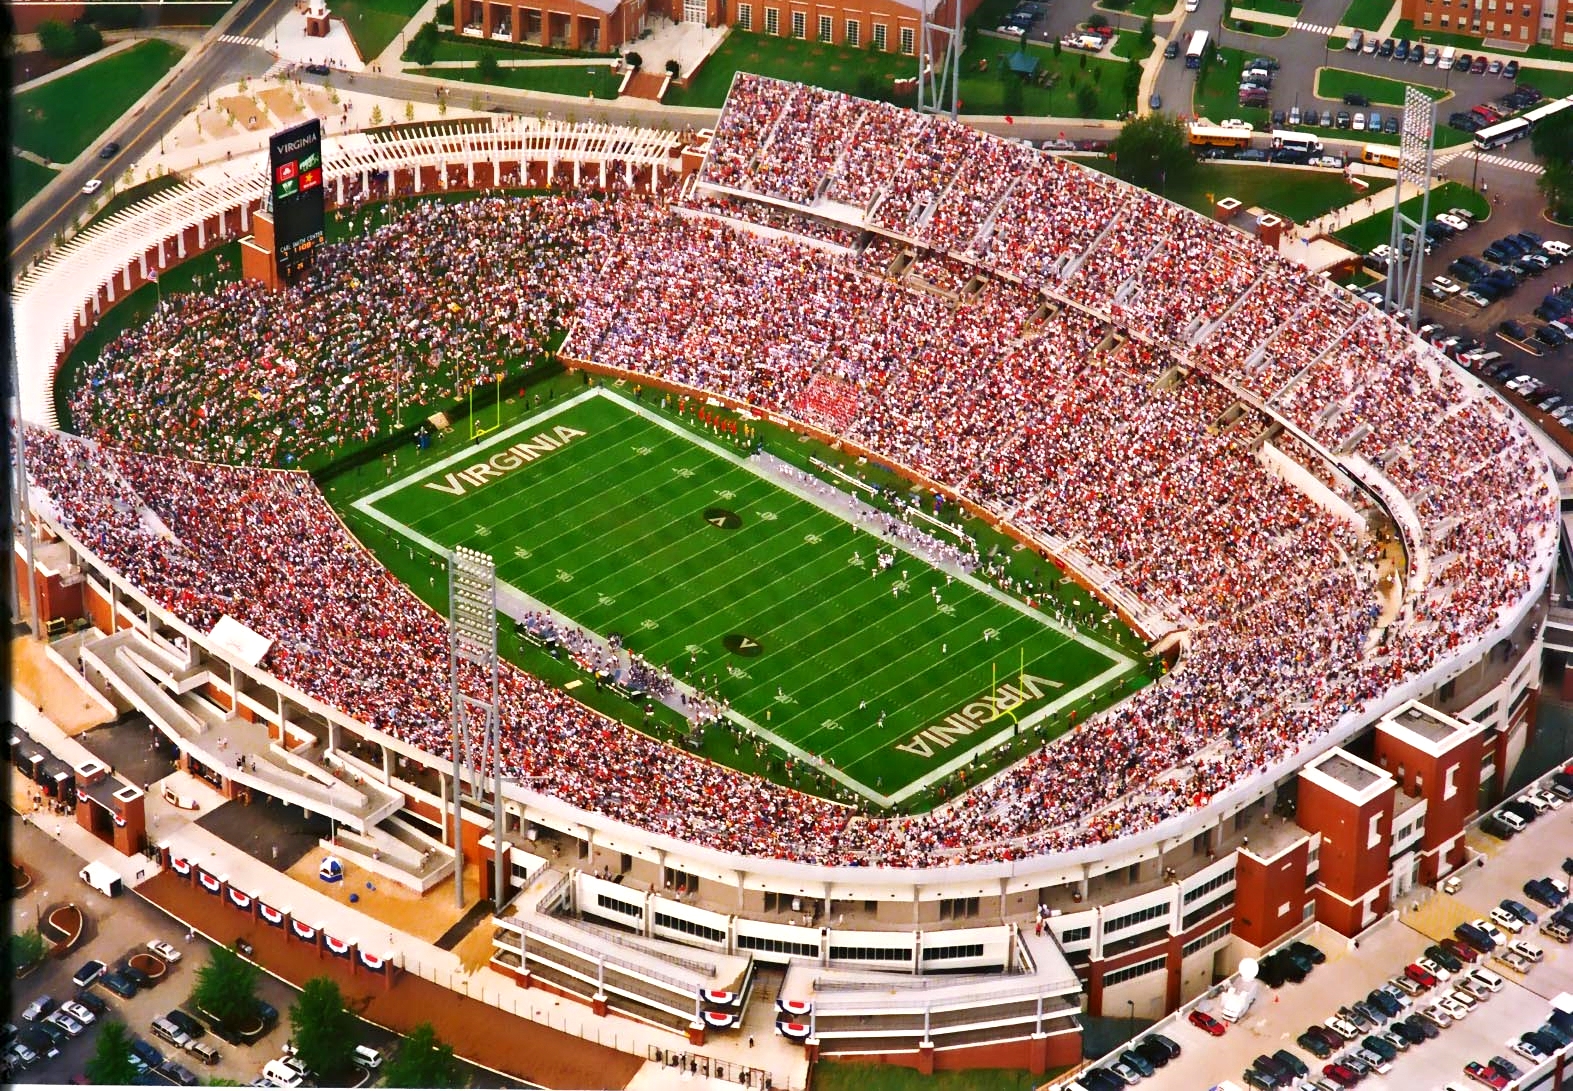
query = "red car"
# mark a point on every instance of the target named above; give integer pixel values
(1201, 1019)
(1420, 975)
(1485, 1074)
(1341, 1074)
(1461, 951)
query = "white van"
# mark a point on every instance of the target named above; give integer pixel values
(1446, 59)
(102, 878)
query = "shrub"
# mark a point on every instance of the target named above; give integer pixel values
(673, 69)
(56, 39)
(632, 59)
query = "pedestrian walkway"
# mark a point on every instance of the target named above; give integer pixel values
(1315, 28)
(240, 39)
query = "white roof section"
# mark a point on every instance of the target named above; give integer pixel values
(248, 645)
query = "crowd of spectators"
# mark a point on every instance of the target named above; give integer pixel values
(1087, 395)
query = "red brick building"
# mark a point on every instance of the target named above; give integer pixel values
(1516, 21)
(891, 26)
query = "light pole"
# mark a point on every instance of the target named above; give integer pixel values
(1132, 1005)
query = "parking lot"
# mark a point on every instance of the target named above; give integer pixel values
(1354, 967)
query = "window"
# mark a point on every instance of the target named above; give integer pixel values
(1141, 969)
(825, 23)
(745, 17)
(772, 20)
(1446, 21)
(681, 880)
(1427, 19)
(955, 908)
(617, 905)
(880, 40)
(1205, 938)
(909, 41)
(1201, 912)
(1125, 920)
(778, 946)
(955, 950)
(1221, 879)
(799, 24)
(687, 927)
(852, 33)
(870, 954)
(1076, 935)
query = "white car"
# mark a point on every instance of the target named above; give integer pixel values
(1452, 221)
(1547, 798)
(84, 1015)
(279, 1073)
(1508, 922)
(1236, 123)
(1492, 930)
(1440, 1015)
(1474, 297)
(1557, 247)
(1434, 968)
(1526, 1048)
(1513, 961)
(62, 1019)
(163, 951)
(1524, 949)
(1446, 286)
(93, 186)
(1453, 1007)
(1192, 5)
(1485, 977)
(368, 1058)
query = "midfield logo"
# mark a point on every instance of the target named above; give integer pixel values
(978, 714)
(459, 482)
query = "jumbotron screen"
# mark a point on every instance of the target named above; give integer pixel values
(295, 172)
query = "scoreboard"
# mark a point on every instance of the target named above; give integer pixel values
(295, 176)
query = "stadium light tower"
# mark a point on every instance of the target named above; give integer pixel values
(1416, 150)
(472, 652)
(939, 60)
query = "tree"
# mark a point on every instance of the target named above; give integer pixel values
(1097, 21)
(1148, 33)
(323, 1030)
(444, 13)
(487, 67)
(1086, 100)
(111, 1060)
(1557, 186)
(25, 949)
(1058, 46)
(1153, 151)
(422, 1060)
(227, 988)
(1133, 83)
(422, 49)
(86, 38)
(376, 115)
(56, 39)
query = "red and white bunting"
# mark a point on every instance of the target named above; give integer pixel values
(209, 883)
(794, 1007)
(304, 931)
(120, 821)
(242, 901)
(372, 962)
(721, 1019)
(271, 915)
(337, 946)
(795, 1031)
(719, 996)
(182, 867)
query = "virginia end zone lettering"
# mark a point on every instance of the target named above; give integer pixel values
(460, 482)
(977, 714)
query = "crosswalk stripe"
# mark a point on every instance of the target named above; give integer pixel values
(1314, 27)
(1494, 160)
(238, 39)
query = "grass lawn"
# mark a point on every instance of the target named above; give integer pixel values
(1217, 94)
(452, 47)
(1247, 26)
(1301, 195)
(834, 1076)
(1364, 234)
(1139, 8)
(60, 119)
(780, 601)
(869, 75)
(1551, 82)
(595, 81)
(1272, 7)
(27, 179)
(375, 23)
(1335, 83)
(1366, 14)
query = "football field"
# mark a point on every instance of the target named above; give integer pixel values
(622, 521)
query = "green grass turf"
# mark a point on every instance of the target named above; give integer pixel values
(59, 119)
(1243, 9)
(1364, 234)
(1217, 93)
(1299, 195)
(375, 23)
(1366, 14)
(583, 81)
(845, 1076)
(27, 180)
(1335, 83)
(611, 531)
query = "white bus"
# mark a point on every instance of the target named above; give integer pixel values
(1194, 51)
(1288, 140)
(1503, 132)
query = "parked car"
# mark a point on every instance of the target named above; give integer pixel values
(1199, 1018)
(163, 951)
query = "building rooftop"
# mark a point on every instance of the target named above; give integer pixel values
(1347, 776)
(1347, 771)
(1426, 729)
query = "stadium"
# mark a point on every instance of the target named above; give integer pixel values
(1196, 564)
